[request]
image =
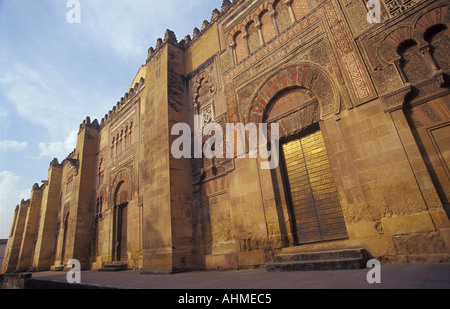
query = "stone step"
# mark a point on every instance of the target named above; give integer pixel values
(341, 264)
(321, 260)
(114, 267)
(321, 255)
(57, 268)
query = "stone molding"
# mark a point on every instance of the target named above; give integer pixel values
(394, 101)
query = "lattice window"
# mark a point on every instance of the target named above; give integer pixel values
(396, 7)
(207, 115)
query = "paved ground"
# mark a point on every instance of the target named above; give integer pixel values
(409, 276)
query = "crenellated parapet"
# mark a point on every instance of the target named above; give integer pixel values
(87, 123)
(187, 41)
(130, 95)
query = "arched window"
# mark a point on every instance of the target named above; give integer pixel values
(241, 48)
(121, 141)
(252, 37)
(412, 62)
(282, 16)
(267, 26)
(113, 145)
(69, 184)
(117, 144)
(300, 8)
(97, 208)
(131, 133)
(438, 38)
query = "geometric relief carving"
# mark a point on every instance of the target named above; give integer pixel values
(429, 113)
(412, 64)
(359, 82)
(300, 119)
(387, 48)
(435, 16)
(361, 87)
(290, 89)
(204, 88)
(121, 188)
(440, 42)
(288, 102)
(395, 100)
(203, 91)
(207, 114)
(345, 47)
(300, 8)
(331, 14)
(342, 39)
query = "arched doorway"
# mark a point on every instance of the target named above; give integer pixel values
(64, 239)
(296, 98)
(121, 233)
(315, 210)
(120, 229)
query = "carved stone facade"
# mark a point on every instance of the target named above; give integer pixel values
(364, 117)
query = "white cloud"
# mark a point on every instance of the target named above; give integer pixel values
(123, 33)
(131, 28)
(59, 150)
(38, 98)
(13, 145)
(3, 113)
(10, 195)
(54, 74)
(47, 91)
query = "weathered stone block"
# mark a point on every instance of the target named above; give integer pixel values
(358, 230)
(408, 224)
(221, 261)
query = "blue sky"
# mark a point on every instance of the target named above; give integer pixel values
(53, 74)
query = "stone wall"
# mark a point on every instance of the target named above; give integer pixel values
(31, 229)
(43, 254)
(377, 94)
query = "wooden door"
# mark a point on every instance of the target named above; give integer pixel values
(122, 239)
(316, 210)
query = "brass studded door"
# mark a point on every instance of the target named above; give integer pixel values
(316, 211)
